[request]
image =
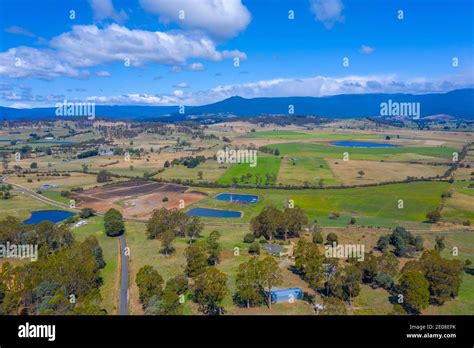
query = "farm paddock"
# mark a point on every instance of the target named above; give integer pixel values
(137, 199)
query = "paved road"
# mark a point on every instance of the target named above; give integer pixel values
(123, 309)
(123, 295)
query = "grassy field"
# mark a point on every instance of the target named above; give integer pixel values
(21, 206)
(265, 165)
(110, 248)
(211, 170)
(377, 171)
(147, 252)
(322, 151)
(376, 206)
(291, 135)
(306, 169)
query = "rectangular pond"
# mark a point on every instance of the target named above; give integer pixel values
(237, 198)
(206, 212)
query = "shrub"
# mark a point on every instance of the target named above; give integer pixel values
(249, 238)
(254, 248)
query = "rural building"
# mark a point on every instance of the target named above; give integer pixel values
(276, 249)
(106, 152)
(286, 295)
(47, 186)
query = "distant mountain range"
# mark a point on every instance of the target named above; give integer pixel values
(458, 103)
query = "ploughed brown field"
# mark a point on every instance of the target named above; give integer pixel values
(136, 199)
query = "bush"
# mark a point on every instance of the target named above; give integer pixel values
(433, 216)
(317, 237)
(165, 199)
(383, 243)
(331, 238)
(254, 248)
(249, 238)
(87, 213)
(104, 176)
(383, 281)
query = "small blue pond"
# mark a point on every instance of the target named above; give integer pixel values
(48, 215)
(361, 144)
(205, 212)
(237, 198)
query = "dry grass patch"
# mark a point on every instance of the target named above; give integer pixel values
(375, 171)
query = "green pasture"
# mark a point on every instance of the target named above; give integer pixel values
(323, 151)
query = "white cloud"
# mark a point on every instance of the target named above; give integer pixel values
(134, 98)
(178, 93)
(79, 49)
(26, 62)
(328, 12)
(317, 86)
(220, 18)
(103, 73)
(196, 67)
(105, 9)
(182, 85)
(19, 31)
(366, 49)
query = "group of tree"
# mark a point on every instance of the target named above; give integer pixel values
(202, 254)
(274, 223)
(432, 279)
(5, 191)
(189, 161)
(379, 271)
(167, 224)
(113, 223)
(258, 179)
(87, 213)
(309, 263)
(104, 176)
(254, 281)
(405, 244)
(156, 298)
(65, 278)
(209, 284)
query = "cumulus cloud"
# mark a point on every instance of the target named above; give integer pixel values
(317, 86)
(364, 49)
(42, 63)
(103, 9)
(220, 18)
(328, 12)
(117, 44)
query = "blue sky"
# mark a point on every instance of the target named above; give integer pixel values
(47, 57)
